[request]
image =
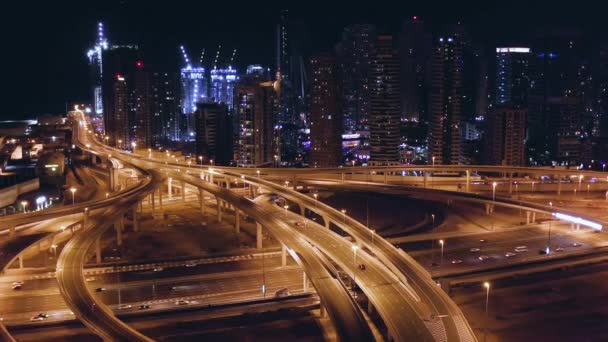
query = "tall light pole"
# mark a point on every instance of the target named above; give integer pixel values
(432, 174)
(315, 195)
(285, 207)
(441, 242)
(24, 205)
(549, 236)
(73, 191)
(494, 191)
(344, 216)
(487, 287)
(355, 248)
(200, 159)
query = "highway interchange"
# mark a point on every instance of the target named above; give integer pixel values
(393, 281)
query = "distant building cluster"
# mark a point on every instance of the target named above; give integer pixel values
(420, 95)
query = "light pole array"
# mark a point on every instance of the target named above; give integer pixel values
(73, 191)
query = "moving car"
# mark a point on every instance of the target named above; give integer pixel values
(362, 267)
(100, 289)
(182, 302)
(17, 285)
(144, 307)
(456, 261)
(510, 254)
(124, 306)
(483, 257)
(158, 269)
(475, 249)
(576, 244)
(284, 292)
(39, 317)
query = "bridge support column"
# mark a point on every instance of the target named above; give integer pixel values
(119, 225)
(487, 207)
(578, 226)
(559, 185)
(160, 198)
(283, 255)
(184, 191)
(113, 175)
(98, 250)
(251, 191)
(258, 235)
(211, 178)
(170, 187)
(326, 221)
(527, 217)
(385, 177)
(135, 221)
(201, 200)
(533, 217)
(425, 181)
(237, 221)
(467, 187)
(12, 231)
(304, 282)
(20, 261)
(322, 311)
(510, 183)
(219, 209)
(152, 202)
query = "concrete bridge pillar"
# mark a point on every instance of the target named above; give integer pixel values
(135, 221)
(152, 202)
(322, 310)
(170, 187)
(304, 282)
(533, 217)
(283, 255)
(342, 177)
(183, 191)
(510, 183)
(219, 209)
(488, 208)
(201, 200)
(113, 175)
(160, 198)
(20, 261)
(251, 191)
(426, 179)
(326, 222)
(98, 250)
(258, 235)
(385, 177)
(211, 178)
(119, 226)
(467, 187)
(527, 217)
(578, 226)
(559, 185)
(237, 221)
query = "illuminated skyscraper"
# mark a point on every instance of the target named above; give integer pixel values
(325, 113)
(385, 109)
(222, 86)
(166, 110)
(256, 105)
(95, 56)
(355, 57)
(194, 90)
(446, 101)
(512, 79)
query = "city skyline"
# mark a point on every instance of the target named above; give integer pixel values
(163, 30)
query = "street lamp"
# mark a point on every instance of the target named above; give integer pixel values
(344, 216)
(441, 243)
(604, 167)
(494, 191)
(355, 248)
(200, 159)
(54, 247)
(73, 191)
(285, 207)
(549, 236)
(24, 205)
(133, 144)
(487, 287)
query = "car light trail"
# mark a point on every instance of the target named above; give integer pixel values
(578, 220)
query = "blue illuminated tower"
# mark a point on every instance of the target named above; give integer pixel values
(194, 89)
(222, 85)
(95, 56)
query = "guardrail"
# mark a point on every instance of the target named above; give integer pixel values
(9, 195)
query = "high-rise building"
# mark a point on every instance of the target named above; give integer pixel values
(166, 108)
(415, 48)
(95, 56)
(214, 133)
(504, 141)
(355, 56)
(118, 123)
(512, 75)
(194, 90)
(222, 85)
(385, 104)
(446, 101)
(325, 113)
(142, 102)
(256, 104)
(121, 62)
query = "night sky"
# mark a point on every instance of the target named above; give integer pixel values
(44, 43)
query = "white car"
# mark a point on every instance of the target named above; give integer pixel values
(475, 249)
(483, 257)
(124, 306)
(510, 254)
(182, 302)
(456, 261)
(576, 244)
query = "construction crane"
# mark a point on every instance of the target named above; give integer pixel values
(217, 56)
(186, 59)
(201, 61)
